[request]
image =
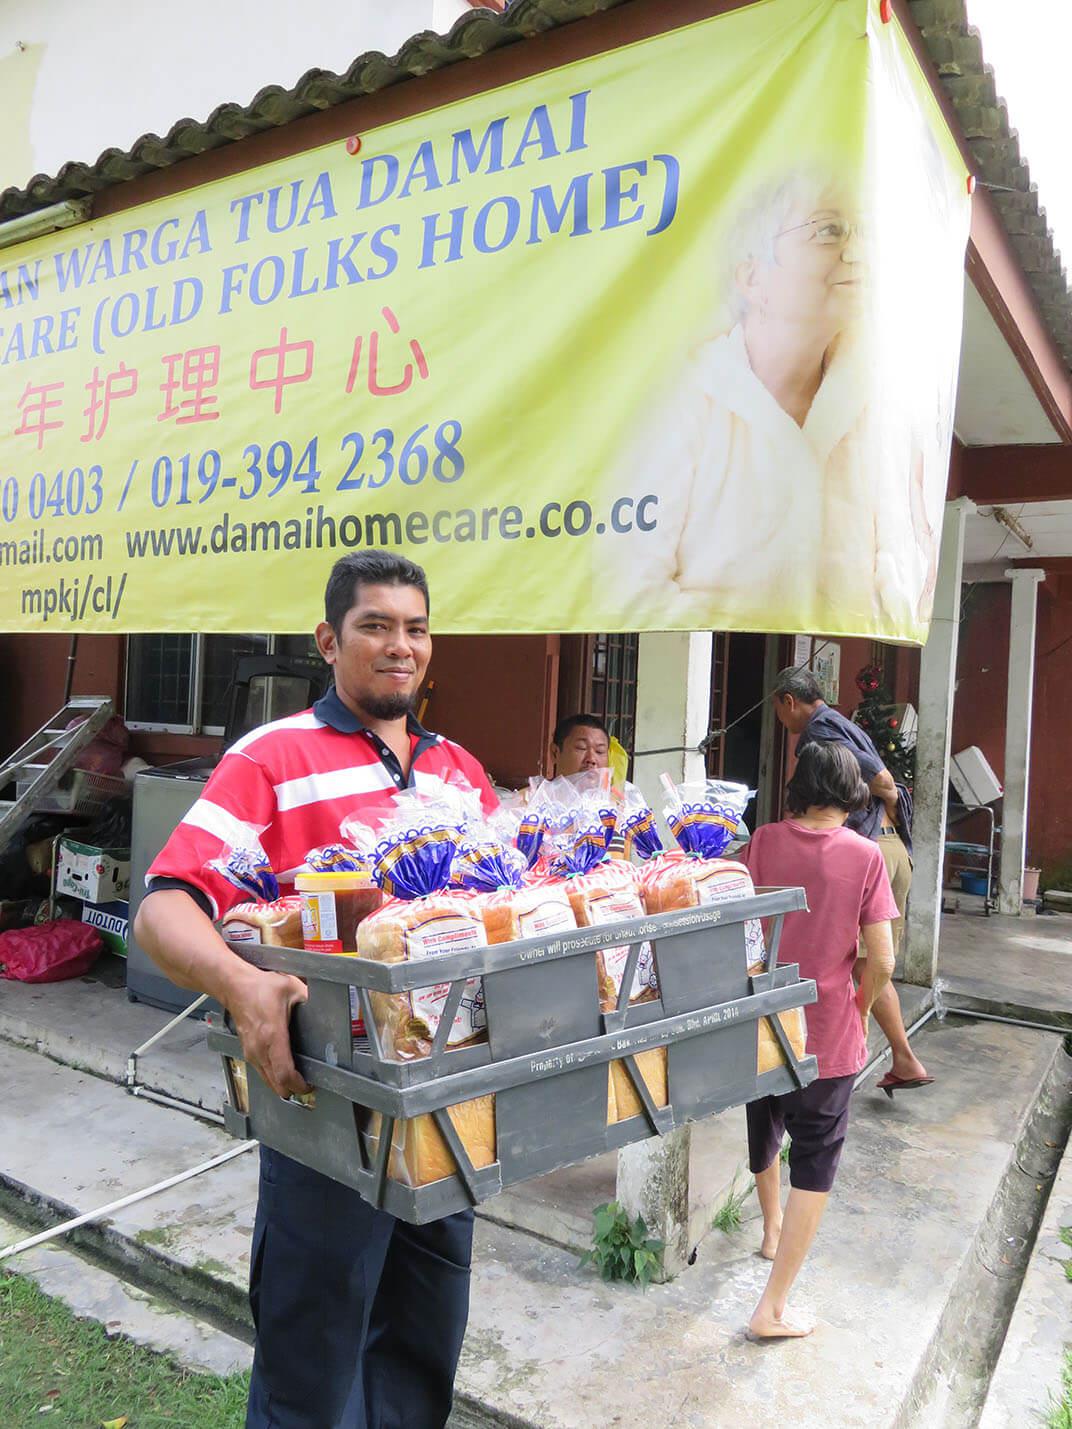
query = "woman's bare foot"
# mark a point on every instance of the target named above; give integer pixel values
(765, 1325)
(771, 1235)
(908, 1067)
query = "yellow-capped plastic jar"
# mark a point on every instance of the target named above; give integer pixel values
(332, 906)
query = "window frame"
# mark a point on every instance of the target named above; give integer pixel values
(612, 679)
(193, 726)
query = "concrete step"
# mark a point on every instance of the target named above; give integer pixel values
(70, 1142)
(922, 1184)
(1032, 1358)
(125, 1309)
(89, 1023)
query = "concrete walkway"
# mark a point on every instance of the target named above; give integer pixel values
(89, 1022)
(924, 1187)
(549, 1345)
(558, 1350)
(1022, 966)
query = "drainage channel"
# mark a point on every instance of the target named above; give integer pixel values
(950, 1386)
(187, 1288)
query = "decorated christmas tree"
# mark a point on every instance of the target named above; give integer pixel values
(876, 715)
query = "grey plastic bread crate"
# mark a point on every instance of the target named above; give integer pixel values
(546, 1056)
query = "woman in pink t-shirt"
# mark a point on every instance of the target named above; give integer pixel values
(849, 893)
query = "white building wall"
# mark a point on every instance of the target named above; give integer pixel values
(81, 76)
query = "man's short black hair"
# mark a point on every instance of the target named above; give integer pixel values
(565, 727)
(801, 684)
(827, 776)
(367, 568)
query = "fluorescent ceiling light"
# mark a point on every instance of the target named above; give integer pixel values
(1009, 521)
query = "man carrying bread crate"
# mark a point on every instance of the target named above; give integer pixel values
(359, 1317)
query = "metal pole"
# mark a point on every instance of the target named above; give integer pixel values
(72, 658)
(1010, 1021)
(132, 1058)
(177, 1104)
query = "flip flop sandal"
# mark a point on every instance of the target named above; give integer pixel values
(890, 1084)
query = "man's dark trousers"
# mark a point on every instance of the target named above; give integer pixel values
(360, 1317)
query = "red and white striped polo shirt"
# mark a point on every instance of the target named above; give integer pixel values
(290, 785)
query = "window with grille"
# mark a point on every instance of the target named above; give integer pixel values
(182, 683)
(613, 683)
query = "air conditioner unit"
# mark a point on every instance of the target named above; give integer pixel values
(973, 779)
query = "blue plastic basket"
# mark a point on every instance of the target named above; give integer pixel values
(973, 882)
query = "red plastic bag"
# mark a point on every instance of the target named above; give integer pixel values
(51, 952)
(108, 752)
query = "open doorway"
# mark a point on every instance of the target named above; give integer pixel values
(737, 698)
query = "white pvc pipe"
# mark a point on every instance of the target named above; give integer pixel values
(124, 1201)
(177, 1104)
(186, 1011)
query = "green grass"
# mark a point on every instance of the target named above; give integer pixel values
(728, 1216)
(1060, 1415)
(70, 1369)
(1064, 1235)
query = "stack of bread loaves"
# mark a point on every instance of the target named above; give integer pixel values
(428, 867)
(704, 820)
(602, 889)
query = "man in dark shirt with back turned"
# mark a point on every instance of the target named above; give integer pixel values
(800, 707)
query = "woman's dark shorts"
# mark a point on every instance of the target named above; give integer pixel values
(816, 1118)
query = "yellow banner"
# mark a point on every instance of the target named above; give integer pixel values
(661, 339)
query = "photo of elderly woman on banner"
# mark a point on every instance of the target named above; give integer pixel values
(801, 443)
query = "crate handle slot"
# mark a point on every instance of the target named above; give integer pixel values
(473, 1180)
(774, 1022)
(372, 1032)
(446, 1018)
(660, 1119)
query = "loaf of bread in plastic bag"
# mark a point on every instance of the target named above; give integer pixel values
(276, 924)
(794, 1025)
(623, 1097)
(540, 907)
(419, 1153)
(419, 929)
(680, 880)
(610, 893)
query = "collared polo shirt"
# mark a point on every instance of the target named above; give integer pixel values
(831, 725)
(289, 785)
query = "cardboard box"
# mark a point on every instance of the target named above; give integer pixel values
(112, 922)
(96, 875)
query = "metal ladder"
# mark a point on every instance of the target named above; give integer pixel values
(64, 746)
